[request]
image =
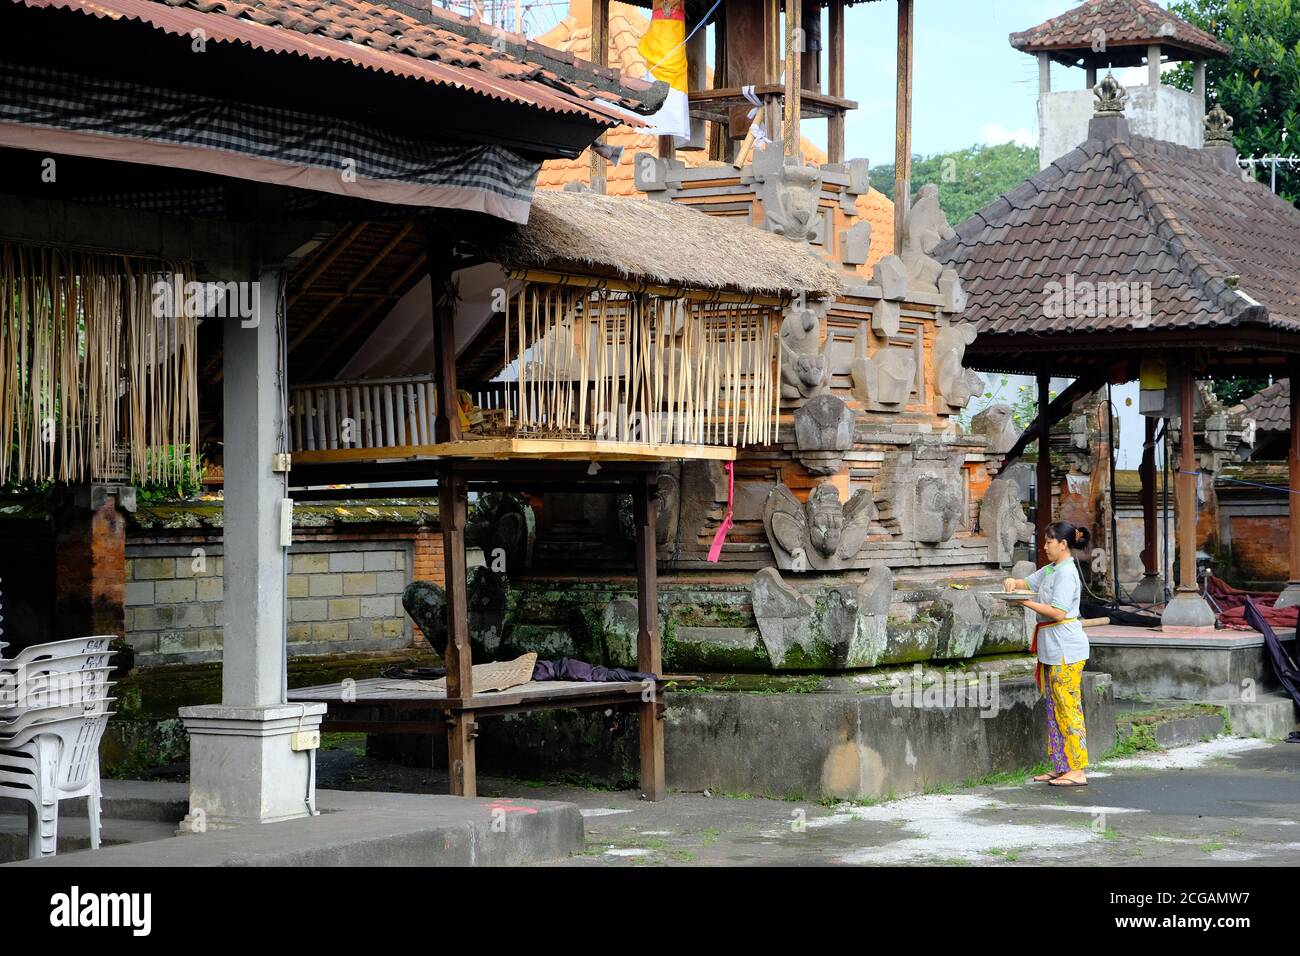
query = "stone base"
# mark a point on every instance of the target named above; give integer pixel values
(1150, 590)
(1148, 664)
(1290, 595)
(1187, 613)
(242, 766)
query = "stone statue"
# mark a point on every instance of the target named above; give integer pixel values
(922, 493)
(997, 424)
(823, 534)
(426, 603)
(955, 384)
(855, 243)
(1218, 127)
(1110, 96)
(805, 370)
(502, 525)
(885, 378)
(851, 633)
(790, 194)
(823, 431)
(668, 504)
(938, 508)
(1003, 521)
(926, 226)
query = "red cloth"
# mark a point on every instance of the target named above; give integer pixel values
(1233, 602)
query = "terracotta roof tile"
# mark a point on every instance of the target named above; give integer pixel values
(1123, 23)
(1271, 408)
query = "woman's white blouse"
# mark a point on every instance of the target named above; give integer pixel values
(1059, 585)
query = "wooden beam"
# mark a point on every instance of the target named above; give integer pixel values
(1060, 407)
(458, 659)
(1147, 472)
(340, 297)
(835, 80)
(794, 43)
(600, 56)
(903, 124)
(1043, 511)
(649, 653)
(337, 248)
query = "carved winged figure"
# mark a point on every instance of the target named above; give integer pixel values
(822, 534)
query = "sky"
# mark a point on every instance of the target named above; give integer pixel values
(970, 86)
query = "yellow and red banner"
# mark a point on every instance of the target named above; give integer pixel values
(664, 49)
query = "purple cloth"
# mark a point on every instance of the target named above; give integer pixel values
(566, 668)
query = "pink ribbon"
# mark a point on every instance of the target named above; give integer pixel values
(715, 550)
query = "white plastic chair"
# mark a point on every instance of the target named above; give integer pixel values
(49, 761)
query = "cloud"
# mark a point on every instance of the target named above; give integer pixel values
(995, 134)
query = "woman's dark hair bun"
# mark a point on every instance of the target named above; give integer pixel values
(1076, 537)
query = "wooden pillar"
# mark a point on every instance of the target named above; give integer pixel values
(1186, 484)
(697, 76)
(810, 65)
(794, 42)
(1091, 74)
(835, 80)
(89, 564)
(1151, 569)
(600, 56)
(1043, 512)
(452, 503)
(903, 124)
(649, 654)
(1291, 594)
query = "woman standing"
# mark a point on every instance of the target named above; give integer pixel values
(1062, 649)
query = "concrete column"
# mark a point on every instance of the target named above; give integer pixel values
(1198, 82)
(247, 758)
(1044, 74)
(1188, 611)
(1153, 65)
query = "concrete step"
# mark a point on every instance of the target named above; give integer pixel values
(1175, 722)
(74, 833)
(125, 800)
(1172, 724)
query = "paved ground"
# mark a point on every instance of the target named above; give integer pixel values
(1223, 802)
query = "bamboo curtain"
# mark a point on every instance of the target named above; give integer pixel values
(94, 360)
(627, 365)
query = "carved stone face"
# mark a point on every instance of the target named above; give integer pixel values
(825, 518)
(938, 509)
(811, 369)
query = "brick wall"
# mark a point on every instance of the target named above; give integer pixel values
(344, 593)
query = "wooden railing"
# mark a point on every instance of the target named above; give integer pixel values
(362, 413)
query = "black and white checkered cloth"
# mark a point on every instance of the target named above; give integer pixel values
(35, 96)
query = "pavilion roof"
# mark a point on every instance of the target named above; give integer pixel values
(1120, 24)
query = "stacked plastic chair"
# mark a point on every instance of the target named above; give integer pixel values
(54, 706)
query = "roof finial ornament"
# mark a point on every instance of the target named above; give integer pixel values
(1110, 96)
(1218, 127)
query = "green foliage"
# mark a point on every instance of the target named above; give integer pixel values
(1259, 83)
(183, 476)
(1233, 391)
(968, 179)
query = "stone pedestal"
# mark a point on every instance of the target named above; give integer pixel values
(1290, 595)
(1150, 590)
(1187, 612)
(243, 768)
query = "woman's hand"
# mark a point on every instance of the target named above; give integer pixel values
(1009, 584)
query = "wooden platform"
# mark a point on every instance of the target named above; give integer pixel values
(407, 694)
(497, 449)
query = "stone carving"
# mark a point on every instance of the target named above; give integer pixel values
(922, 496)
(859, 176)
(823, 431)
(790, 194)
(823, 534)
(997, 424)
(505, 528)
(855, 243)
(965, 617)
(1218, 127)
(885, 378)
(426, 603)
(1003, 521)
(954, 296)
(926, 226)
(486, 602)
(805, 370)
(851, 633)
(955, 384)
(1110, 96)
(886, 318)
(891, 275)
(668, 504)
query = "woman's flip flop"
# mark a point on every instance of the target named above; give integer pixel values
(1046, 777)
(1067, 783)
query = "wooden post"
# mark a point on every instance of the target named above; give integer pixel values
(447, 415)
(1091, 74)
(903, 124)
(599, 56)
(1186, 484)
(458, 659)
(697, 74)
(1151, 569)
(835, 81)
(649, 654)
(794, 43)
(1291, 594)
(1043, 511)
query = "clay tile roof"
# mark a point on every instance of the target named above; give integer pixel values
(626, 26)
(1124, 23)
(405, 38)
(1271, 408)
(1214, 250)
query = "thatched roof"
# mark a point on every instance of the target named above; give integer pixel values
(663, 243)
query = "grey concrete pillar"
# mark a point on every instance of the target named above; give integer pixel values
(253, 648)
(251, 756)
(1198, 83)
(1153, 65)
(1044, 74)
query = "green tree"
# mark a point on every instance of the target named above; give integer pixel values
(1259, 82)
(968, 179)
